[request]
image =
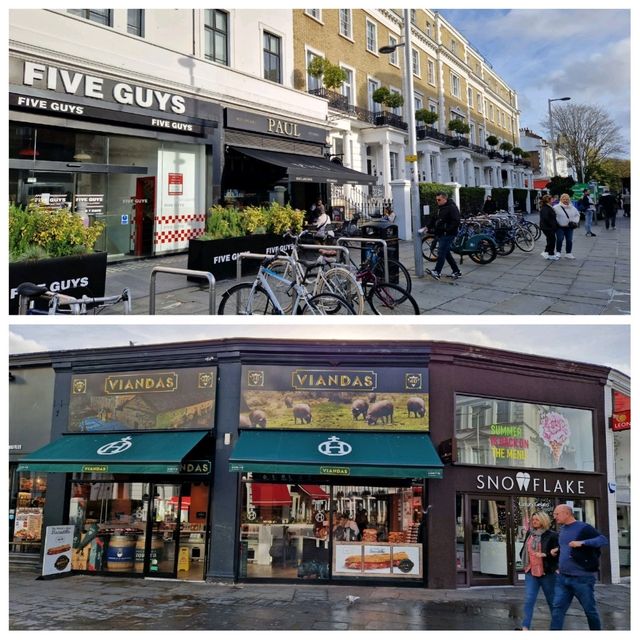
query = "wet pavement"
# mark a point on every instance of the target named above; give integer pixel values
(85, 602)
(597, 282)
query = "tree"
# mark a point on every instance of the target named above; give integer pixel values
(517, 152)
(492, 141)
(612, 172)
(382, 95)
(459, 126)
(586, 135)
(333, 76)
(506, 147)
(559, 185)
(426, 116)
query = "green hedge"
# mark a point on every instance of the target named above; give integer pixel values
(428, 192)
(471, 200)
(520, 199)
(501, 198)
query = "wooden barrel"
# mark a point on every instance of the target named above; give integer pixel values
(155, 553)
(120, 553)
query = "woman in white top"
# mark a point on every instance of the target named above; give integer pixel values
(568, 218)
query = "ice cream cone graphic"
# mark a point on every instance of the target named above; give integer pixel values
(555, 433)
(556, 451)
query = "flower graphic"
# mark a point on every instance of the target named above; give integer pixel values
(555, 433)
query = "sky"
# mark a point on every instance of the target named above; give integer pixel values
(554, 53)
(607, 345)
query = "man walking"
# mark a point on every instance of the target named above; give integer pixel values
(609, 208)
(579, 562)
(588, 207)
(446, 228)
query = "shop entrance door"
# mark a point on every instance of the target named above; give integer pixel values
(163, 531)
(489, 532)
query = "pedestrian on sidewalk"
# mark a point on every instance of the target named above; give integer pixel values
(539, 565)
(568, 218)
(446, 228)
(548, 226)
(579, 560)
(609, 208)
(587, 206)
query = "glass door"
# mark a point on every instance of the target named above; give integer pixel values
(166, 515)
(490, 534)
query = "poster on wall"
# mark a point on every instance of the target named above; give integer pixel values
(57, 550)
(27, 524)
(166, 399)
(371, 560)
(383, 398)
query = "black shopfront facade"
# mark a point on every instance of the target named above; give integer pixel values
(271, 157)
(141, 158)
(305, 482)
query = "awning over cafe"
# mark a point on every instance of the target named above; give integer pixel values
(309, 168)
(133, 452)
(265, 494)
(338, 454)
(314, 491)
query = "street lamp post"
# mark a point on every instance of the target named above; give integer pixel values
(412, 157)
(553, 144)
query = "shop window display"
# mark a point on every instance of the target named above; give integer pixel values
(520, 434)
(26, 510)
(323, 532)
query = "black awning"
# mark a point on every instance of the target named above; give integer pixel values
(309, 168)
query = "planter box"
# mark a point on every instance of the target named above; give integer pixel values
(72, 275)
(219, 256)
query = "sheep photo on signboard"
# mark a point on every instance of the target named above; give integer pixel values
(385, 399)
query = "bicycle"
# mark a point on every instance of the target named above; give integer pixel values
(469, 241)
(259, 298)
(34, 299)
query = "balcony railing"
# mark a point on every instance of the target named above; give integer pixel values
(341, 103)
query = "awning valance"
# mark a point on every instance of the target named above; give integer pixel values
(309, 168)
(314, 491)
(265, 494)
(133, 452)
(343, 453)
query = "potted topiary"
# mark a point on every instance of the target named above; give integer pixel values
(333, 77)
(55, 248)
(506, 147)
(460, 127)
(492, 141)
(426, 116)
(517, 153)
(382, 95)
(230, 231)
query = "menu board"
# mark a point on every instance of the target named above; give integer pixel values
(371, 560)
(57, 550)
(28, 524)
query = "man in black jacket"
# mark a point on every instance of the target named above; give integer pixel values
(579, 555)
(447, 223)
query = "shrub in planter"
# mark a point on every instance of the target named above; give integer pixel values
(230, 231)
(501, 198)
(55, 249)
(426, 116)
(520, 199)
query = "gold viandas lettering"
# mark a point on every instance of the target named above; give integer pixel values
(301, 379)
(141, 383)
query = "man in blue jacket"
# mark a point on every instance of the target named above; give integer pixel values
(579, 562)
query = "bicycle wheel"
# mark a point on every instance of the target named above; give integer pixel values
(239, 300)
(524, 240)
(396, 271)
(387, 299)
(342, 282)
(486, 252)
(282, 290)
(326, 304)
(429, 247)
(506, 247)
(532, 228)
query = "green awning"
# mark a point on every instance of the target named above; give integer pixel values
(345, 453)
(134, 452)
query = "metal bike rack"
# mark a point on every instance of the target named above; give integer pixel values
(182, 272)
(284, 256)
(377, 241)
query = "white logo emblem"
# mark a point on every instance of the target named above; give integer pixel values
(118, 446)
(523, 478)
(334, 447)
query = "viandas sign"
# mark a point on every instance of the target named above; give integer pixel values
(388, 398)
(166, 399)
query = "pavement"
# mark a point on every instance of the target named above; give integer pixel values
(597, 282)
(91, 602)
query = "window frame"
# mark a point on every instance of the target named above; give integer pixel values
(140, 27)
(211, 30)
(348, 12)
(370, 24)
(455, 85)
(393, 56)
(431, 72)
(415, 62)
(90, 14)
(270, 54)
